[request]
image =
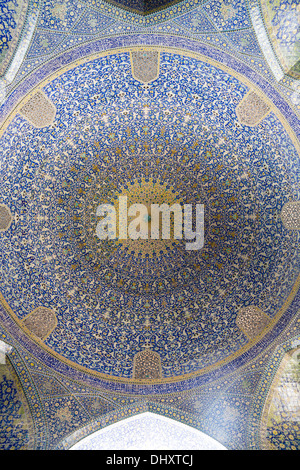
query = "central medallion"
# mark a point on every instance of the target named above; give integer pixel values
(138, 265)
(148, 192)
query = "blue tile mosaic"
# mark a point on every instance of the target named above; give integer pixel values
(50, 291)
(7, 22)
(111, 303)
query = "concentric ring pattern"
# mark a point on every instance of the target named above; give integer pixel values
(177, 139)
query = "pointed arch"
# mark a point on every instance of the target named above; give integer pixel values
(148, 431)
(179, 419)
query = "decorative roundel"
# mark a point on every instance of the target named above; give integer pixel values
(5, 217)
(290, 215)
(176, 140)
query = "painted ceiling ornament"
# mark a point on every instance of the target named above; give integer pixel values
(290, 215)
(59, 10)
(41, 322)
(147, 365)
(6, 217)
(145, 65)
(39, 110)
(252, 321)
(252, 109)
(227, 11)
(111, 297)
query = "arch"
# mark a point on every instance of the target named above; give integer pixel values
(275, 382)
(280, 427)
(121, 414)
(4, 349)
(12, 20)
(281, 24)
(264, 40)
(148, 431)
(19, 45)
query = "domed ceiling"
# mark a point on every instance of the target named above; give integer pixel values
(171, 140)
(191, 102)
